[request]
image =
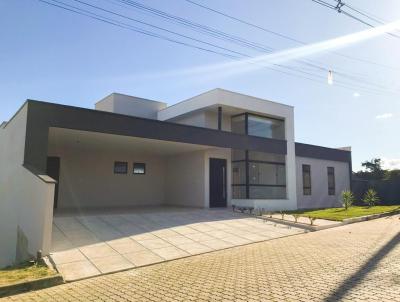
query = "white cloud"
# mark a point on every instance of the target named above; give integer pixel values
(356, 94)
(391, 163)
(384, 116)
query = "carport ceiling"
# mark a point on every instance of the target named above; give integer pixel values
(60, 138)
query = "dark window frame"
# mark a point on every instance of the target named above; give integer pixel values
(307, 191)
(122, 163)
(246, 119)
(135, 164)
(331, 181)
(247, 183)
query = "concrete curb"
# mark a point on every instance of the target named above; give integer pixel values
(25, 286)
(370, 217)
(303, 226)
(334, 225)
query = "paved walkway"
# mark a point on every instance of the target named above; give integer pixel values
(90, 245)
(358, 262)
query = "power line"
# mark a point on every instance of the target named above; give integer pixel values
(303, 61)
(158, 27)
(282, 35)
(129, 27)
(245, 22)
(197, 40)
(126, 26)
(152, 34)
(222, 35)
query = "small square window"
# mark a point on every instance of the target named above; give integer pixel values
(120, 167)
(139, 168)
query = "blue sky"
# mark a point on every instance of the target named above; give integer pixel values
(53, 55)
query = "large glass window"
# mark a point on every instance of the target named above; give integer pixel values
(267, 192)
(256, 125)
(258, 175)
(267, 174)
(266, 157)
(266, 127)
(238, 124)
(239, 173)
(239, 191)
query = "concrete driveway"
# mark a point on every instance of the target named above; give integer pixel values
(86, 245)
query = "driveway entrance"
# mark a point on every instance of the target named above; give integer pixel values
(90, 244)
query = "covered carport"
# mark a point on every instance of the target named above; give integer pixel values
(99, 170)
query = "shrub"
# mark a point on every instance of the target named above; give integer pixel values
(347, 199)
(371, 198)
(296, 217)
(282, 214)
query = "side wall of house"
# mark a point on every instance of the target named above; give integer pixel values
(87, 179)
(319, 197)
(26, 200)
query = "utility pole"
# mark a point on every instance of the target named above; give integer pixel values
(339, 6)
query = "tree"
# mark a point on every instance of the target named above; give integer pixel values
(374, 165)
(373, 169)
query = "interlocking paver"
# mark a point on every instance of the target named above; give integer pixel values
(358, 262)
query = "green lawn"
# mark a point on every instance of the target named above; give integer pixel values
(24, 272)
(338, 214)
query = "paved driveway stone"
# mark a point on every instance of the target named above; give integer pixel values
(358, 262)
(104, 243)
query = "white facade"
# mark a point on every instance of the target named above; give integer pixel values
(177, 171)
(130, 105)
(197, 111)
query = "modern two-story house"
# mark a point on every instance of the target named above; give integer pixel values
(213, 150)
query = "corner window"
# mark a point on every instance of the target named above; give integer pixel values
(331, 181)
(266, 127)
(306, 179)
(120, 167)
(262, 126)
(139, 168)
(238, 124)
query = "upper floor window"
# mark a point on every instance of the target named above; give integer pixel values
(258, 126)
(238, 124)
(266, 127)
(331, 180)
